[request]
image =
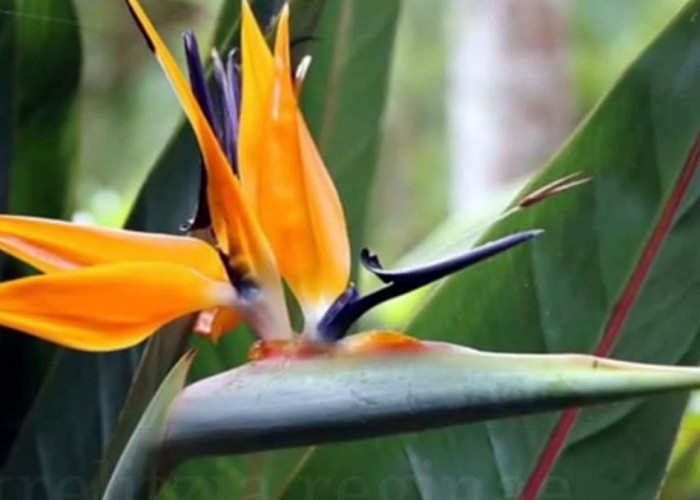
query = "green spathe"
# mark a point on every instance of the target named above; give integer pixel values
(299, 402)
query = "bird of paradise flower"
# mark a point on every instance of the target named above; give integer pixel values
(269, 211)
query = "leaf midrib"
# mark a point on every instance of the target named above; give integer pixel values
(623, 307)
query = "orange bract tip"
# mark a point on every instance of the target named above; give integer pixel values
(293, 194)
(52, 245)
(257, 74)
(107, 307)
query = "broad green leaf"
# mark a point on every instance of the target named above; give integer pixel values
(45, 69)
(134, 473)
(159, 354)
(284, 403)
(40, 56)
(619, 256)
(167, 199)
(615, 274)
(69, 425)
(40, 53)
(7, 58)
(343, 100)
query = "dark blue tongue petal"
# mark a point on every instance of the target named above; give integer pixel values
(349, 307)
(418, 276)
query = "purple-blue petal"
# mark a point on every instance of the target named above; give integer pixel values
(229, 107)
(198, 80)
(348, 308)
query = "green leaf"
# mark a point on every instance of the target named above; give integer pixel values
(615, 275)
(134, 472)
(159, 355)
(44, 70)
(7, 58)
(167, 199)
(283, 403)
(69, 425)
(40, 56)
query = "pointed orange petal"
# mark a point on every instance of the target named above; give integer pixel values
(52, 245)
(237, 231)
(214, 323)
(297, 203)
(325, 212)
(107, 307)
(258, 73)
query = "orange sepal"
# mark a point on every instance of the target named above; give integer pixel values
(237, 231)
(52, 245)
(297, 204)
(107, 307)
(326, 215)
(258, 73)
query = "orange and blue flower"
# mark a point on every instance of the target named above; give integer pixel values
(268, 212)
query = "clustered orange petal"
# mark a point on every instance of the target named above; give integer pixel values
(107, 289)
(283, 174)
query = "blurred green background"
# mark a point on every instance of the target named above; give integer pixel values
(575, 49)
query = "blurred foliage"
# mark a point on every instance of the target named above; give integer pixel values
(605, 36)
(683, 480)
(128, 114)
(39, 139)
(128, 111)
(414, 164)
(410, 214)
